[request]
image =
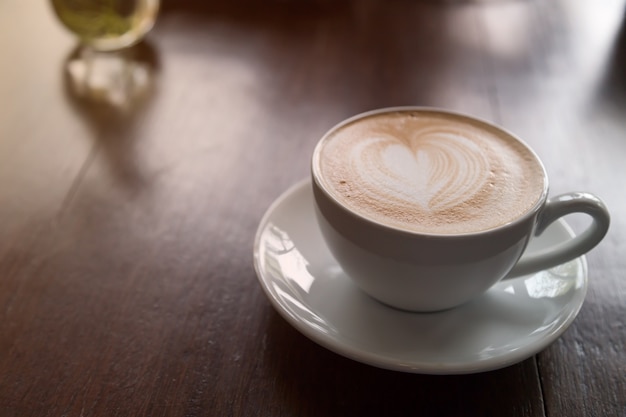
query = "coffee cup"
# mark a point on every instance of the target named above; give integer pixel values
(426, 209)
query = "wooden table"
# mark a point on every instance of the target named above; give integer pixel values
(127, 285)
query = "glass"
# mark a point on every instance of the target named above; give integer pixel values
(107, 25)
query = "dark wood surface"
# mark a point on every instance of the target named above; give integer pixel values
(126, 279)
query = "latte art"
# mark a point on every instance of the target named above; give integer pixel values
(430, 172)
(438, 173)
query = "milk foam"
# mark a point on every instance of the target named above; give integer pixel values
(430, 172)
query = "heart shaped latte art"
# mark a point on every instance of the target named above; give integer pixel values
(433, 170)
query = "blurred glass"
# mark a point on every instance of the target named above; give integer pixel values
(107, 25)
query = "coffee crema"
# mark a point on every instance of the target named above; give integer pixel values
(430, 172)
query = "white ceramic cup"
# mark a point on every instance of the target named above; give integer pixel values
(431, 272)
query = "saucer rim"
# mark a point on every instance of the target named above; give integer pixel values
(341, 346)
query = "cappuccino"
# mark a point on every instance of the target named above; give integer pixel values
(429, 171)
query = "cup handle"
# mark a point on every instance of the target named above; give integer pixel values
(555, 208)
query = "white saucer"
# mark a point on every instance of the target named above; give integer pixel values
(514, 320)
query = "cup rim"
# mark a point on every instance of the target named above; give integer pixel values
(319, 183)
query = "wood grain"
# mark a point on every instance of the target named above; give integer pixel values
(126, 277)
